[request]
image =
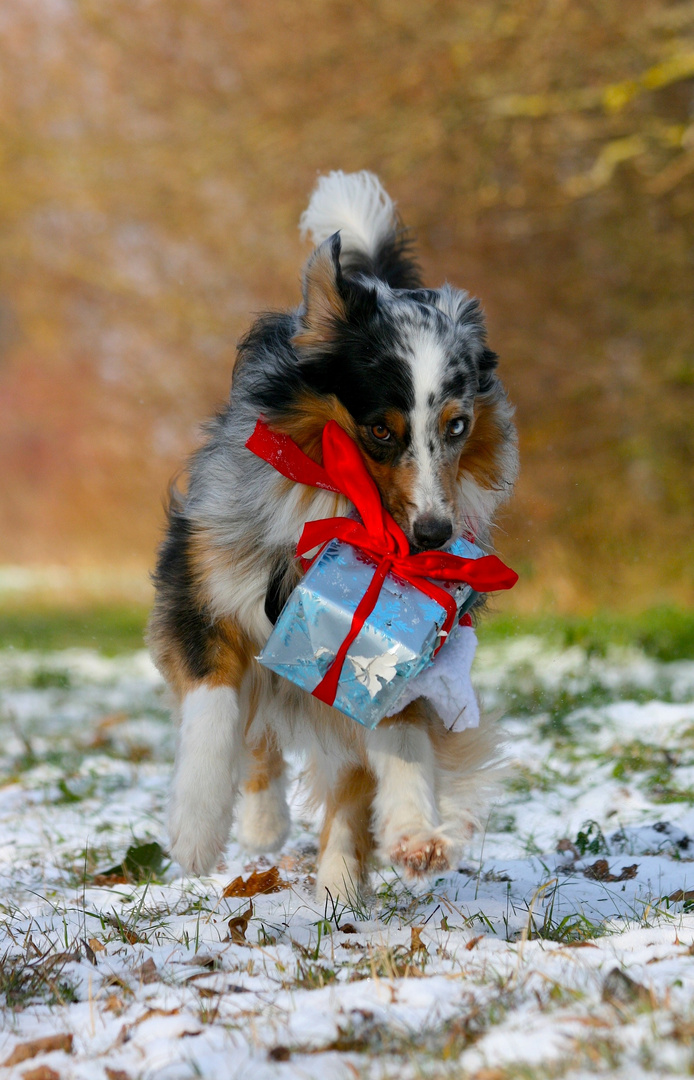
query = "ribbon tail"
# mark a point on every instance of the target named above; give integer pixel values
(327, 688)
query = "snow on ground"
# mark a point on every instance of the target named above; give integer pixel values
(561, 946)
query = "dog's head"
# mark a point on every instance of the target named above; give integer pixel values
(411, 376)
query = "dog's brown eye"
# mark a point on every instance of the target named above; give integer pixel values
(457, 427)
(380, 432)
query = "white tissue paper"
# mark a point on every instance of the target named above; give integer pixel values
(446, 682)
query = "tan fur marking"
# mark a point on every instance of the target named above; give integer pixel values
(309, 415)
(167, 657)
(396, 484)
(267, 765)
(396, 422)
(417, 713)
(481, 456)
(231, 653)
(450, 411)
(353, 796)
(324, 305)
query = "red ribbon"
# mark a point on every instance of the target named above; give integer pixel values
(377, 534)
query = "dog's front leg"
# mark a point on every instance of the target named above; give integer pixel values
(205, 776)
(406, 818)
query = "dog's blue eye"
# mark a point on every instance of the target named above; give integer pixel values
(457, 427)
(380, 432)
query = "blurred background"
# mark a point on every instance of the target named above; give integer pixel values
(155, 158)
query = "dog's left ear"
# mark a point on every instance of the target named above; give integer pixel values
(330, 299)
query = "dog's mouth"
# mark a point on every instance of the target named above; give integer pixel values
(415, 549)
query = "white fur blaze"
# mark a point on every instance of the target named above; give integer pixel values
(356, 205)
(204, 781)
(427, 365)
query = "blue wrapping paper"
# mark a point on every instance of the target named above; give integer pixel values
(396, 642)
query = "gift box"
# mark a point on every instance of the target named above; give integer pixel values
(369, 615)
(396, 642)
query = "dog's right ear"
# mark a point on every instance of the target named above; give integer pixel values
(330, 299)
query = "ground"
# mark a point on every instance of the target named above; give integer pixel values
(563, 945)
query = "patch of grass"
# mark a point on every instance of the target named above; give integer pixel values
(571, 928)
(590, 839)
(24, 979)
(665, 633)
(112, 630)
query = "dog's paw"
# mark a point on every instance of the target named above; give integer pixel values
(263, 821)
(419, 856)
(338, 878)
(196, 845)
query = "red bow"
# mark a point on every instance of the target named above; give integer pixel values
(377, 534)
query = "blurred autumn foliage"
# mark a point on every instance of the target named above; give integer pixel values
(155, 157)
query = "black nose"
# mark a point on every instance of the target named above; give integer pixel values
(431, 531)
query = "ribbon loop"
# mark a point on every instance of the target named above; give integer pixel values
(377, 535)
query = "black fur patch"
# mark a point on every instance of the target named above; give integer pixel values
(487, 365)
(178, 610)
(394, 262)
(278, 589)
(362, 367)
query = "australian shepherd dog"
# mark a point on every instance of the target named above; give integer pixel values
(406, 371)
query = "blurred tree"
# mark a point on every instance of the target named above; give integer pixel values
(156, 158)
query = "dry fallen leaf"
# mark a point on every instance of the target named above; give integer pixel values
(681, 894)
(279, 1053)
(41, 1072)
(473, 941)
(24, 1051)
(114, 1004)
(96, 946)
(116, 1074)
(147, 972)
(109, 879)
(416, 943)
(600, 871)
(239, 925)
(260, 881)
(618, 989)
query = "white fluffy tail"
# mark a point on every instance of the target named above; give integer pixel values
(356, 205)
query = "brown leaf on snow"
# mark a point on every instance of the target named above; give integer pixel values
(239, 925)
(96, 945)
(147, 972)
(681, 894)
(566, 845)
(600, 871)
(416, 943)
(619, 989)
(201, 959)
(116, 1074)
(41, 1072)
(26, 1050)
(260, 881)
(114, 1004)
(109, 879)
(473, 941)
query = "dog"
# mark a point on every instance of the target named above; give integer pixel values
(406, 371)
